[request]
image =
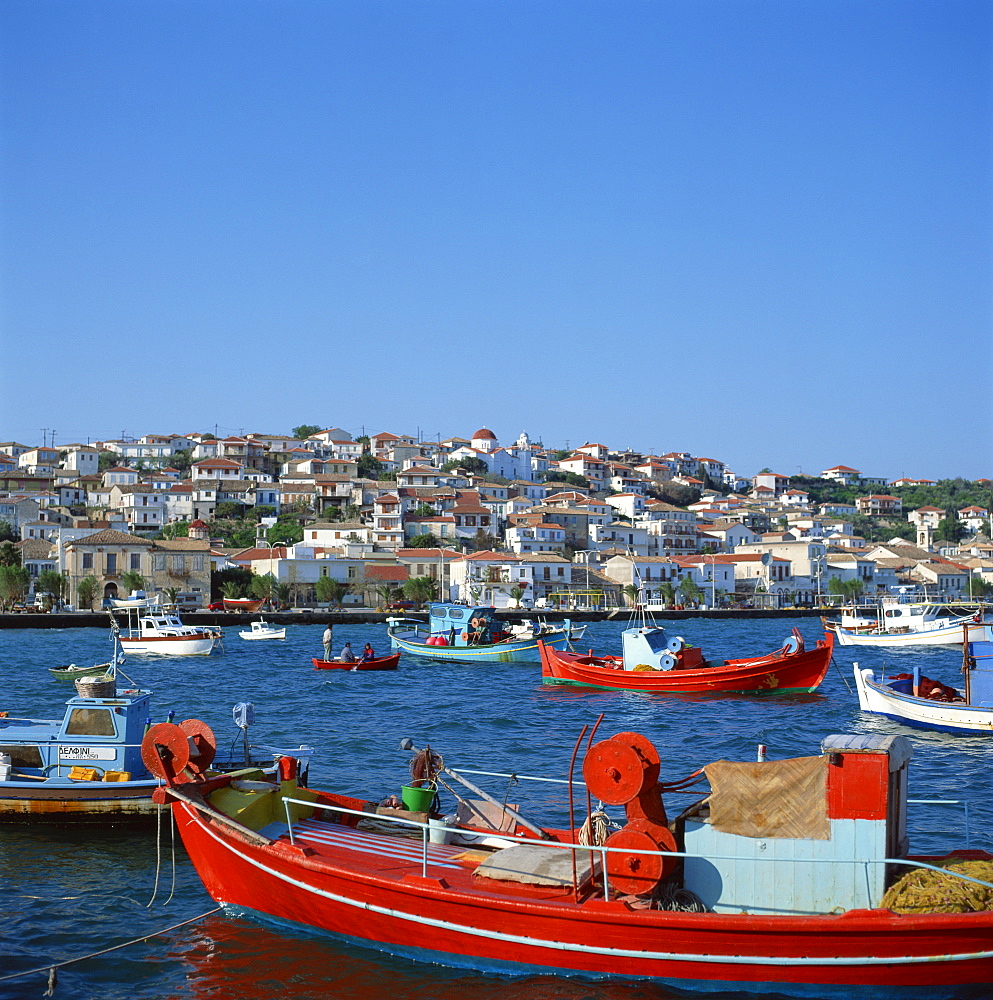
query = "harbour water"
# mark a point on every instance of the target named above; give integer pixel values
(69, 893)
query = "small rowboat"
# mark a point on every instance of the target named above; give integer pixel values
(105, 671)
(247, 605)
(658, 664)
(380, 663)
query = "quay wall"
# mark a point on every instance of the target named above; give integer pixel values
(100, 619)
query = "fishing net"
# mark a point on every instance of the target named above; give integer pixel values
(925, 891)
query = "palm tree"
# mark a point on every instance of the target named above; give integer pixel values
(667, 592)
(690, 590)
(632, 591)
(231, 589)
(516, 593)
(132, 580)
(421, 589)
(283, 592)
(384, 594)
(331, 590)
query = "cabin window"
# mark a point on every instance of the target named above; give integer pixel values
(22, 756)
(90, 722)
(456, 613)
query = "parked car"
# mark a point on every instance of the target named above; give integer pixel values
(216, 606)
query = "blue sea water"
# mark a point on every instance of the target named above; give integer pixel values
(68, 893)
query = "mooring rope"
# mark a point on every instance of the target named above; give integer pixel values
(52, 969)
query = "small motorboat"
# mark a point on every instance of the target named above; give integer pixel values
(471, 635)
(88, 765)
(378, 663)
(654, 661)
(732, 895)
(262, 630)
(917, 700)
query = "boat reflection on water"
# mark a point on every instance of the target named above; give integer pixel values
(229, 959)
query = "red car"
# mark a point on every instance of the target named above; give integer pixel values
(216, 606)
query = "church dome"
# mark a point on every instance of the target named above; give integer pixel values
(483, 434)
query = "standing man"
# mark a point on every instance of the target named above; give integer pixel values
(327, 642)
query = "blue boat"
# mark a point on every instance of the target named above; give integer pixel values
(88, 766)
(474, 635)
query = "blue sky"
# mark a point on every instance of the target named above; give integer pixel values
(754, 231)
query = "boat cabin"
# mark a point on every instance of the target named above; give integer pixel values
(979, 674)
(96, 733)
(848, 802)
(458, 625)
(651, 647)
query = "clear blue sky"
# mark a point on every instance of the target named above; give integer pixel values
(754, 231)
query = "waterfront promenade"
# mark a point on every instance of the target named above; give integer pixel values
(365, 616)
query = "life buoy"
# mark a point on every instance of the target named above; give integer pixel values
(791, 646)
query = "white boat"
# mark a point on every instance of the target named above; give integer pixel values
(916, 700)
(138, 599)
(908, 624)
(262, 630)
(150, 629)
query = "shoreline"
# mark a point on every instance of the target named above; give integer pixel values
(100, 619)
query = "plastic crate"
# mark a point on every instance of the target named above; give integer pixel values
(116, 775)
(78, 773)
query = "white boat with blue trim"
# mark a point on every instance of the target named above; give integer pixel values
(917, 700)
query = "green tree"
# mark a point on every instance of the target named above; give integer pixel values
(239, 576)
(516, 594)
(370, 467)
(232, 589)
(284, 533)
(423, 541)
(283, 593)
(14, 583)
(421, 589)
(86, 590)
(305, 431)
(10, 554)
(171, 593)
(667, 592)
(950, 529)
(264, 586)
(569, 478)
(229, 509)
(690, 590)
(632, 592)
(182, 459)
(51, 582)
(470, 465)
(331, 591)
(7, 533)
(132, 581)
(384, 594)
(262, 510)
(176, 529)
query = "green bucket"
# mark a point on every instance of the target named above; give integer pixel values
(417, 799)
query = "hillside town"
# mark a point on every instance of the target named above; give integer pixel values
(320, 517)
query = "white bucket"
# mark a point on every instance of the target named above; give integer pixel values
(439, 832)
(4, 767)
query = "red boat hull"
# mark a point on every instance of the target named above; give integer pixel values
(777, 673)
(245, 604)
(451, 918)
(382, 663)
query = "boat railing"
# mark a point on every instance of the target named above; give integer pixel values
(949, 802)
(603, 851)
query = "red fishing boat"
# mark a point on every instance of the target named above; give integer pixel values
(655, 662)
(774, 882)
(379, 663)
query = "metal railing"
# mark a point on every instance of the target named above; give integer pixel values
(603, 851)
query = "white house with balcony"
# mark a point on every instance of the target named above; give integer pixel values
(540, 537)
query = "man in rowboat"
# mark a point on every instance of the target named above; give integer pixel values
(327, 639)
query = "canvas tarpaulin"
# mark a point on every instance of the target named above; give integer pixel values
(776, 798)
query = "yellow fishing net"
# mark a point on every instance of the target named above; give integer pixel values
(924, 891)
